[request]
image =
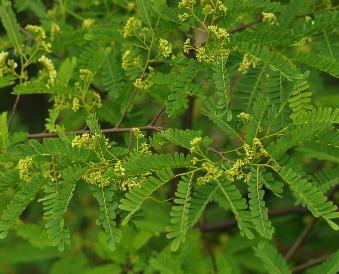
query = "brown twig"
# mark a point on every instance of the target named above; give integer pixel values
(157, 116)
(300, 240)
(231, 222)
(14, 108)
(79, 132)
(245, 26)
(130, 100)
(310, 263)
(305, 232)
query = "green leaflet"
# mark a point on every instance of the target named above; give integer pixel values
(238, 206)
(179, 137)
(36, 87)
(219, 120)
(154, 162)
(201, 197)
(257, 205)
(327, 179)
(65, 72)
(56, 201)
(3, 132)
(10, 23)
(320, 151)
(249, 88)
(330, 266)
(107, 217)
(137, 196)
(319, 61)
(222, 83)
(271, 260)
(17, 205)
(180, 212)
(276, 60)
(181, 87)
(311, 197)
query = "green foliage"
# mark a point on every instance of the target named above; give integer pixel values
(310, 196)
(55, 204)
(195, 133)
(271, 260)
(136, 197)
(258, 207)
(180, 212)
(331, 265)
(17, 205)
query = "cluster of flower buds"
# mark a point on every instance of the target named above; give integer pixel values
(248, 61)
(24, 166)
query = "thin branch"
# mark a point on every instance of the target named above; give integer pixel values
(221, 154)
(157, 116)
(126, 108)
(79, 132)
(245, 26)
(300, 240)
(312, 262)
(306, 231)
(14, 108)
(232, 222)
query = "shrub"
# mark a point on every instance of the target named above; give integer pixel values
(202, 136)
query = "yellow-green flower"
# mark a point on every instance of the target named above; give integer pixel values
(165, 47)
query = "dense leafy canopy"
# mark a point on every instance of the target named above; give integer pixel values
(200, 136)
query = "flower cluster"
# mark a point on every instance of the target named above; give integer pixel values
(183, 17)
(3, 59)
(144, 149)
(269, 17)
(212, 173)
(38, 30)
(131, 26)
(88, 23)
(39, 36)
(144, 82)
(24, 167)
(94, 174)
(86, 75)
(49, 66)
(129, 59)
(195, 142)
(75, 104)
(124, 182)
(84, 98)
(251, 153)
(119, 168)
(188, 4)
(236, 171)
(220, 33)
(55, 30)
(260, 148)
(187, 46)
(87, 141)
(9, 65)
(165, 47)
(249, 61)
(210, 54)
(220, 7)
(244, 117)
